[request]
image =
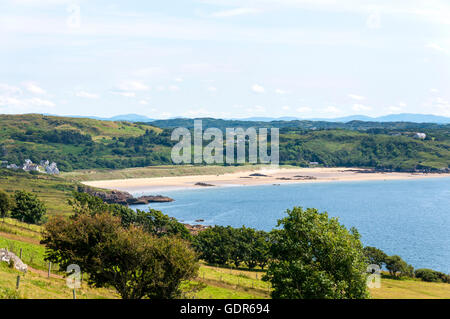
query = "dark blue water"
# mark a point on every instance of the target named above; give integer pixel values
(410, 218)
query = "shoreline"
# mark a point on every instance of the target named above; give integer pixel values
(263, 176)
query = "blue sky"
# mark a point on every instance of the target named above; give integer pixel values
(225, 58)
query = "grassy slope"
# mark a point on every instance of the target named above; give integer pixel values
(96, 128)
(52, 190)
(221, 283)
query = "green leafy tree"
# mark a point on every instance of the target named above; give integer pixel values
(398, 267)
(256, 248)
(152, 221)
(134, 262)
(314, 256)
(215, 245)
(28, 208)
(430, 275)
(5, 204)
(375, 256)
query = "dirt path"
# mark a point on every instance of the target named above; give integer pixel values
(43, 273)
(20, 238)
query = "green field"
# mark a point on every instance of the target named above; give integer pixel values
(215, 282)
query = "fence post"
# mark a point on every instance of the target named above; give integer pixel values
(18, 282)
(20, 255)
(49, 268)
(74, 294)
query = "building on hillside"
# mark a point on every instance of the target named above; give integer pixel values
(12, 166)
(420, 136)
(313, 163)
(52, 169)
(29, 166)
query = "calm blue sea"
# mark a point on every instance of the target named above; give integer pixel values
(410, 218)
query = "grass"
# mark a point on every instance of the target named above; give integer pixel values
(410, 289)
(36, 286)
(216, 282)
(53, 191)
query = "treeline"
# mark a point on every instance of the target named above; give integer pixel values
(397, 267)
(223, 246)
(55, 136)
(387, 146)
(147, 254)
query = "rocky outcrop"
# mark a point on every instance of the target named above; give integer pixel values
(124, 198)
(204, 184)
(10, 257)
(195, 229)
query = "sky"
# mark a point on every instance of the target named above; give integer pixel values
(225, 58)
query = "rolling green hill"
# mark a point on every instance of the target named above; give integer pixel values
(81, 143)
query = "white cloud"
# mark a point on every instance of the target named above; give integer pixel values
(394, 108)
(124, 93)
(212, 89)
(258, 88)
(280, 91)
(234, 12)
(402, 104)
(15, 105)
(9, 89)
(256, 109)
(304, 109)
(361, 107)
(373, 21)
(173, 88)
(286, 107)
(437, 47)
(198, 113)
(331, 109)
(356, 97)
(434, 91)
(143, 102)
(132, 86)
(87, 95)
(34, 88)
(150, 72)
(179, 79)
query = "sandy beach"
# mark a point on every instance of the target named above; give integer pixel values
(158, 185)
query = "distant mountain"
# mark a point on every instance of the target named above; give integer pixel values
(130, 118)
(404, 117)
(266, 119)
(123, 117)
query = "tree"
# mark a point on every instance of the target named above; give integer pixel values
(431, 275)
(314, 256)
(134, 262)
(28, 208)
(398, 267)
(153, 221)
(375, 256)
(256, 247)
(5, 204)
(215, 245)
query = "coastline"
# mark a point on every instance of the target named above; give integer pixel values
(254, 177)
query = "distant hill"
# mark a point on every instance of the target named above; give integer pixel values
(83, 143)
(123, 117)
(404, 117)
